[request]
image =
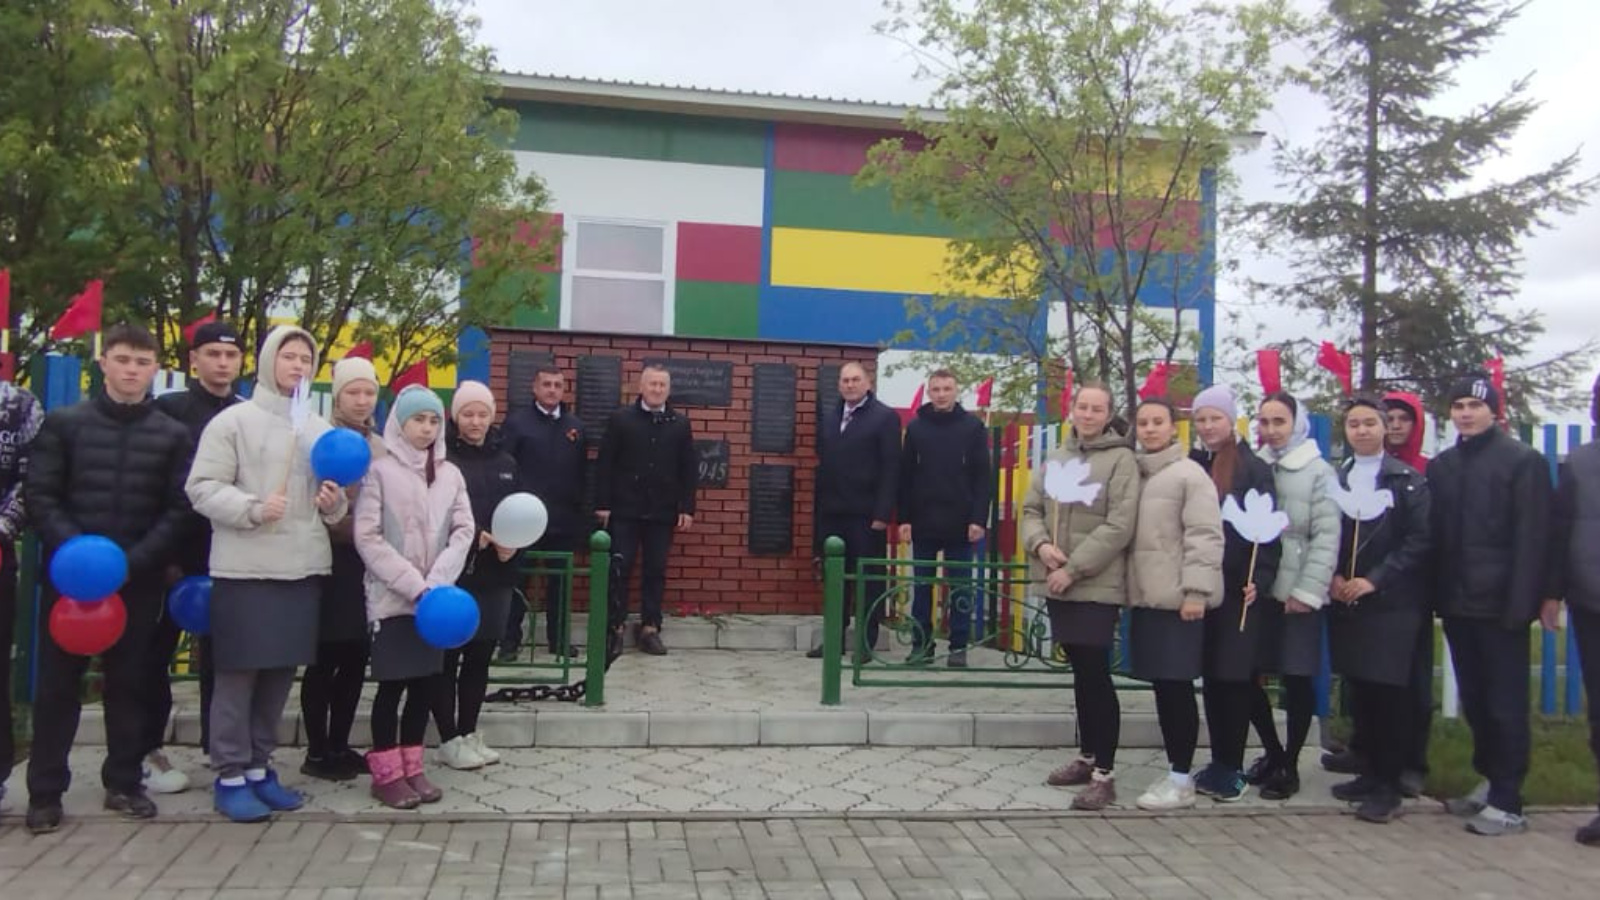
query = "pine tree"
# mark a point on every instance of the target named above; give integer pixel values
(1397, 243)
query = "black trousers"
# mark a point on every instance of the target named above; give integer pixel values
(127, 699)
(163, 644)
(465, 684)
(1228, 719)
(1384, 714)
(1491, 664)
(394, 727)
(329, 695)
(1586, 628)
(1099, 712)
(1179, 716)
(631, 539)
(8, 625)
(861, 542)
(1420, 692)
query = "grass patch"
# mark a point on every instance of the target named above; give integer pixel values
(1562, 770)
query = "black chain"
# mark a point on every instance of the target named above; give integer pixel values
(564, 693)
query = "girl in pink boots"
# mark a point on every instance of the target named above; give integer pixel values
(414, 528)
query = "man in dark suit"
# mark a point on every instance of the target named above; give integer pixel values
(547, 441)
(858, 462)
(644, 491)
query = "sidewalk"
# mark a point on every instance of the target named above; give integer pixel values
(1421, 857)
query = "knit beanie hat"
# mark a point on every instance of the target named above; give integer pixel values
(417, 399)
(1218, 397)
(350, 369)
(471, 392)
(1476, 385)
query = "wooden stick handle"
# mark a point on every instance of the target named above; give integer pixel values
(1249, 579)
(1355, 546)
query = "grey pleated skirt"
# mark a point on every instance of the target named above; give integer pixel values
(1163, 647)
(262, 624)
(399, 653)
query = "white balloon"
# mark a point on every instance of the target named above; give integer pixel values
(519, 521)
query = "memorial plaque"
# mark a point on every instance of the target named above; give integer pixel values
(599, 392)
(712, 457)
(827, 392)
(772, 420)
(698, 382)
(519, 376)
(771, 518)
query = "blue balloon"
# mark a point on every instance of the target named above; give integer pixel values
(340, 456)
(89, 568)
(447, 617)
(189, 602)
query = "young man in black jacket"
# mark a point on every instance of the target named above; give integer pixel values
(547, 441)
(1575, 576)
(858, 463)
(20, 418)
(944, 507)
(215, 357)
(1491, 527)
(113, 466)
(643, 492)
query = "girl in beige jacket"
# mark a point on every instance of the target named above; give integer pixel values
(1175, 575)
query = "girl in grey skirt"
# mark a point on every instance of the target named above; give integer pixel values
(1174, 577)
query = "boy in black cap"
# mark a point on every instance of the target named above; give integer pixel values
(215, 356)
(1575, 576)
(1491, 527)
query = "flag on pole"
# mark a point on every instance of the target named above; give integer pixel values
(986, 393)
(1497, 377)
(192, 327)
(1155, 383)
(83, 313)
(1331, 358)
(362, 350)
(916, 399)
(416, 373)
(1066, 396)
(1269, 370)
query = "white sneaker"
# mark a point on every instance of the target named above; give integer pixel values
(489, 755)
(457, 753)
(161, 777)
(1165, 794)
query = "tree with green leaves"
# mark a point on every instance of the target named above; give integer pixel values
(1398, 243)
(1069, 149)
(338, 162)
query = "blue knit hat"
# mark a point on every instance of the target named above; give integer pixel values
(417, 399)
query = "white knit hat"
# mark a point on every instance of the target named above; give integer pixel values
(350, 369)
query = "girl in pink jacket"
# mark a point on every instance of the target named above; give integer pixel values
(413, 530)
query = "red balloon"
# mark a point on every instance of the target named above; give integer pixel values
(88, 629)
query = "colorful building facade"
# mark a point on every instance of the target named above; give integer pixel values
(720, 214)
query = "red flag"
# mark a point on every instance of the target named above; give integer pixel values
(192, 327)
(83, 313)
(916, 399)
(1066, 396)
(1269, 369)
(362, 350)
(985, 393)
(1329, 357)
(1155, 383)
(416, 373)
(1497, 377)
(5, 298)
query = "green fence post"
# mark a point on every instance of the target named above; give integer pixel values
(832, 618)
(599, 605)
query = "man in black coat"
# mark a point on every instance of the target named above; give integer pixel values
(1575, 576)
(858, 462)
(114, 466)
(1491, 529)
(643, 492)
(547, 441)
(944, 507)
(215, 357)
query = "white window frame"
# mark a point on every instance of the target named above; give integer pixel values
(668, 276)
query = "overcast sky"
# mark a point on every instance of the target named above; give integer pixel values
(828, 48)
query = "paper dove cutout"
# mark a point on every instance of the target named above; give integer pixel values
(1257, 522)
(300, 405)
(1068, 482)
(1363, 502)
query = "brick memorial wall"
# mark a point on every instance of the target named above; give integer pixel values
(754, 406)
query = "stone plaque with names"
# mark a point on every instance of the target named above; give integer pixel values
(827, 392)
(771, 528)
(599, 392)
(712, 457)
(772, 419)
(698, 382)
(519, 375)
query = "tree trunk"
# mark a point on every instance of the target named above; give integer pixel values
(1370, 171)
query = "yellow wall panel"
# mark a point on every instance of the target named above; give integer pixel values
(858, 261)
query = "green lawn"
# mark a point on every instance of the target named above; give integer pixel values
(1562, 772)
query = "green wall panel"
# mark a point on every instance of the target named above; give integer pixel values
(831, 202)
(716, 309)
(553, 128)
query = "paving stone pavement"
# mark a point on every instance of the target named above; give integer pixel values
(639, 782)
(1236, 857)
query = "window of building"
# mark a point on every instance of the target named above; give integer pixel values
(619, 277)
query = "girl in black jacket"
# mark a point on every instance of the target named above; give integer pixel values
(1230, 648)
(490, 576)
(1379, 603)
